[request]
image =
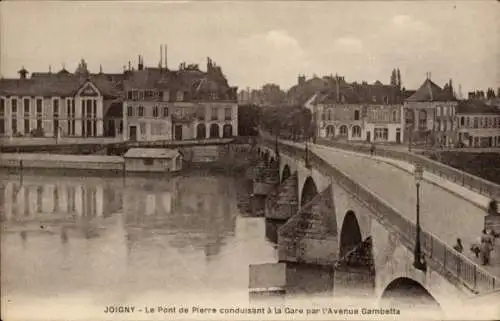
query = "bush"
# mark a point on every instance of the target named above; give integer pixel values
(37, 132)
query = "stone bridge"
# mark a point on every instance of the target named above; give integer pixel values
(329, 218)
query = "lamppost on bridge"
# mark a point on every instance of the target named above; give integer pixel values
(276, 143)
(418, 259)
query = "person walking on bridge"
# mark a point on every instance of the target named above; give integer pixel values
(486, 247)
(459, 247)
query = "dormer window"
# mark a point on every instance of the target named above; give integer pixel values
(180, 96)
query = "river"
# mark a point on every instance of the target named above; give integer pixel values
(73, 245)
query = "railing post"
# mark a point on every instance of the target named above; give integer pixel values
(475, 277)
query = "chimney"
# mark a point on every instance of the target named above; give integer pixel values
(166, 64)
(140, 65)
(161, 57)
(23, 73)
(302, 79)
(337, 87)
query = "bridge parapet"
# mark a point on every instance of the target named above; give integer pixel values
(456, 267)
(472, 182)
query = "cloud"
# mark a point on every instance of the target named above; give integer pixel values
(348, 45)
(273, 56)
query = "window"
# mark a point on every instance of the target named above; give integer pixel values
(14, 107)
(445, 111)
(94, 103)
(180, 96)
(129, 95)
(26, 107)
(155, 111)
(343, 130)
(386, 100)
(330, 114)
(323, 116)
(200, 113)
(356, 131)
(130, 111)
(56, 108)
(476, 122)
(356, 115)
(409, 117)
(485, 122)
(462, 121)
(14, 125)
(381, 134)
(395, 116)
(39, 107)
(227, 113)
(141, 111)
(214, 114)
(26, 126)
(438, 111)
(165, 111)
(148, 161)
(2, 129)
(422, 120)
(490, 122)
(38, 124)
(498, 122)
(2, 106)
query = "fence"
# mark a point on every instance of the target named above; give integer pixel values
(472, 182)
(447, 261)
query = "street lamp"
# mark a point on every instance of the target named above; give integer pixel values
(276, 144)
(410, 131)
(418, 259)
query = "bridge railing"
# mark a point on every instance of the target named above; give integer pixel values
(472, 182)
(446, 260)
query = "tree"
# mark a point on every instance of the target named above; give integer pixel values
(393, 77)
(249, 117)
(398, 78)
(490, 94)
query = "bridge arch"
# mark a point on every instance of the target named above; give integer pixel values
(406, 292)
(309, 190)
(350, 233)
(286, 173)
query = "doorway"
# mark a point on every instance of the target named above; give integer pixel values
(178, 132)
(133, 133)
(398, 136)
(368, 136)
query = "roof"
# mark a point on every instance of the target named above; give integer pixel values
(151, 153)
(194, 83)
(62, 85)
(473, 106)
(363, 94)
(429, 91)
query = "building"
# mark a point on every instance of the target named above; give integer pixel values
(55, 104)
(362, 112)
(152, 160)
(477, 124)
(182, 104)
(146, 103)
(429, 115)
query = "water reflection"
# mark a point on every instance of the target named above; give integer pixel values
(115, 240)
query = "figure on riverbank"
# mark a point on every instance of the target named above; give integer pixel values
(372, 149)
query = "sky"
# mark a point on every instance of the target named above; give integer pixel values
(258, 42)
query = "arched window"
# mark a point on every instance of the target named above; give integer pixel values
(422, 120)
(356, 131)
(343, 130)
(394, 115)
(330, 131)
(201, 132)
(227, 130)
(356, 115)
(214, 131)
